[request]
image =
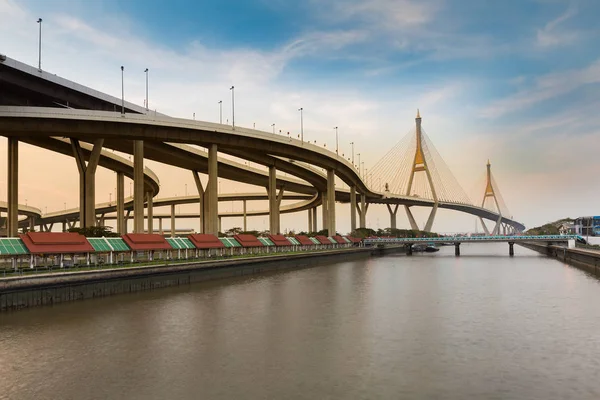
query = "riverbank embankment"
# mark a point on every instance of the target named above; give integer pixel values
(53, 288)
(587, 260)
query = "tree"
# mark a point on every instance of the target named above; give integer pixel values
(233, 231)
(95, 231)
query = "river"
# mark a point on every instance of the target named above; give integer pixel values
(431, 326)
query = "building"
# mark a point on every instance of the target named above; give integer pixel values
(587, 226)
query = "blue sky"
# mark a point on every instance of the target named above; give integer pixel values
(514, 81)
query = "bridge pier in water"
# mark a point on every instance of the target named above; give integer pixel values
(511, 249)
(457, 249)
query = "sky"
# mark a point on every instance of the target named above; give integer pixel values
(515, 82)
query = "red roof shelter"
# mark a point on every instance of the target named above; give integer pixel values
(304, 240)
(279, 240)
(246, 240)
(146, 241)
(56, 242)
(323, 239)
(353, 239)
(204, 241)
(339, 239)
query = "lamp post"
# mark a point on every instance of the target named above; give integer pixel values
(352, 144)
(232, 88)
(273, 125)
(337, 149)
(146, 71)
(358, 154)
(221, 111)
(40, 46)
(301, 109)
(122, 91)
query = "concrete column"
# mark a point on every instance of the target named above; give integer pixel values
(172, 220)
(211, 200)
(64, 226)
(160, 228)
(149, 196)
(245, 221)
(138, 186)
(392, 215)
(331, 202)
(219, 229)
(31, 223)
(363, 211)
(12, 223)
(200, 189)
(121, 227)
(511, 249)
(352, 208)
(273, 208)
(411, 219)
(87, 181)
(457, 249)
(314, 218)
(324, 210)
(310, 220)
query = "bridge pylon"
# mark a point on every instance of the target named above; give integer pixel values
(419, 164)
(491, 192)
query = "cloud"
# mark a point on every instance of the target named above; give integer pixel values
(544, 88)
(552, 35)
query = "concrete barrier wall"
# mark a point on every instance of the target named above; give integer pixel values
(47, 289)
(586, 260)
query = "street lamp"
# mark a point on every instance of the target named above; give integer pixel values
(301, 109)
(352, 144)
(273, 125)
(221, 111)
(146, 71)
(358, 154)
(122, 91)
(40, 46)
(232, 88)
(337, 150)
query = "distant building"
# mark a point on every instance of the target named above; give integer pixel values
(566, 228)
(587, 226)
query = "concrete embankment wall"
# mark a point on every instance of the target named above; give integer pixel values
(53, 288)
(586, 260)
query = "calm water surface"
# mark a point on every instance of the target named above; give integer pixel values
(481, 326)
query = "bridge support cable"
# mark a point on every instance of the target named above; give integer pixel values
(87, 181)
(138, 186)
(12, 224)
(393, 221)
(200, 189)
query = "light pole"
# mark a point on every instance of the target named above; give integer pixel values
(337, 149)
(352, 144)
(40, 46)
(146, 71)
(221, 111)
(232, 88)
(301, 109)
(273, 125)
(358, 154)
(122, 91)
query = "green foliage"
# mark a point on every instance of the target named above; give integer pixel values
(389, 232)
(95, 231)
(550, 228)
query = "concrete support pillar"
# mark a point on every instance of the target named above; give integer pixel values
(457, 249)
(310, 220)
(172, 220)
(138, 186)
(324, 210)
(12, 223)
(352, 208)
(149, 197)
(511, 249)
(87, 181)
(64, 226)
(160, 228)
(393, 215)
(31, 223)
(362, 211)
(331, 202)
(485, 228)
(211, 199)
(121, 226)
(314, 219)
(408, 248)
(411, 219)
(245, 219)
(429, 223)
(126, 223)
(219, 228)
(200, 189)
(273, 207)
